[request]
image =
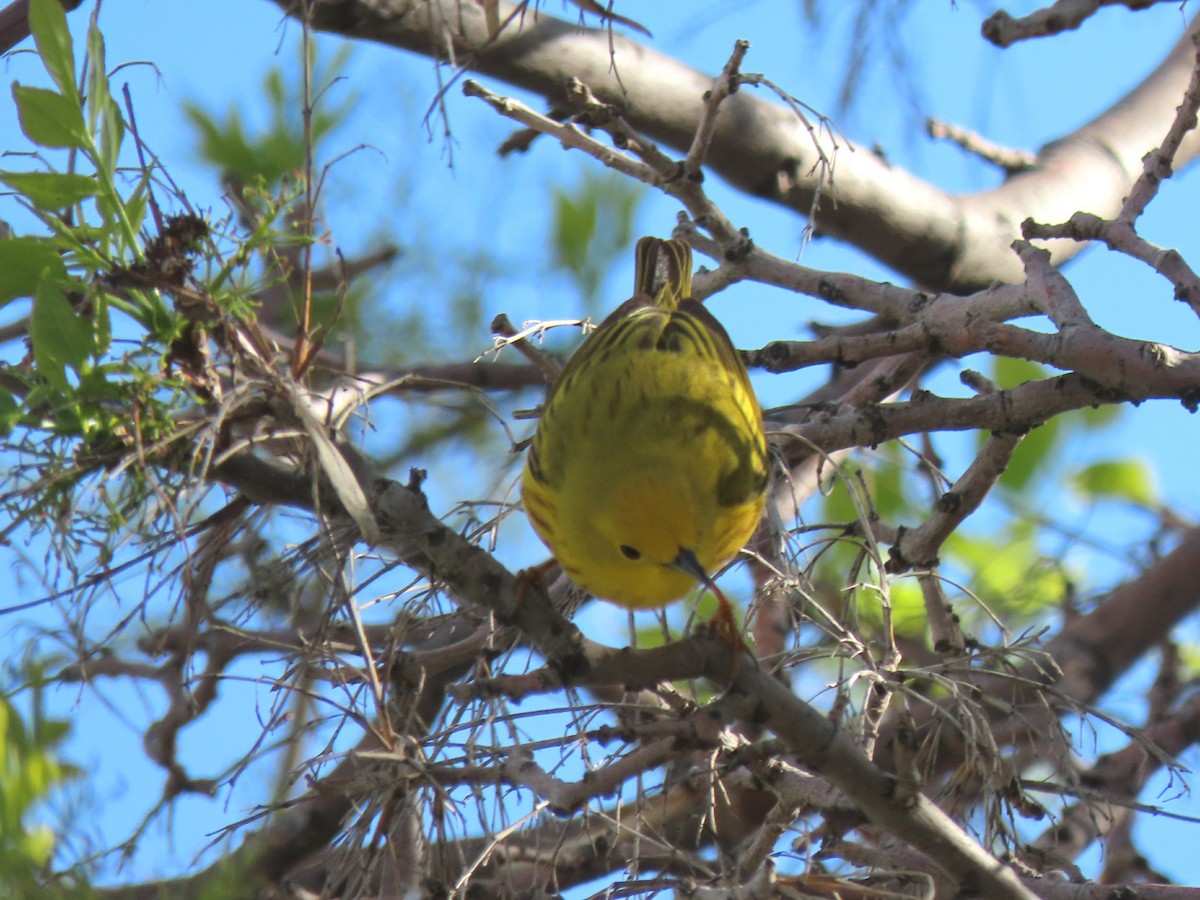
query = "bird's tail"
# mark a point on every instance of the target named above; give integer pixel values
(664, 271)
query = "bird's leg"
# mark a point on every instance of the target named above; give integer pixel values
(724, 624)
(534, 576)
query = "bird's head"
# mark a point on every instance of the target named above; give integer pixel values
(651, 536)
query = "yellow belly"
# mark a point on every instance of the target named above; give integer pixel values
(663, 457)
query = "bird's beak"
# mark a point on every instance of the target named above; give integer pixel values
(687, 563)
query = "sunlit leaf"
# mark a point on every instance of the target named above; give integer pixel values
(49, 119)
(1099, 416)
(886, 482)
(1031, 455)
(1039, 444)
(10, 413)
(104, 115)
(135, 206)
(1011, 373)
(592, 230)
(28, 771)
(51, 191)
(1120, 479)
(1010, 571)
(574, 225)
(839, 503)
(61, 337)
(48, 22)
(907, 607)
(22, 262)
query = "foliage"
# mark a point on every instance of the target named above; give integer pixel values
(93, 347)
(279, 149)
(29, 771)
(593, 225)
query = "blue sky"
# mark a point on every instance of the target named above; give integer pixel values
(215, 53)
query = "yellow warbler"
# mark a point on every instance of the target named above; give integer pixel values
(648, 468)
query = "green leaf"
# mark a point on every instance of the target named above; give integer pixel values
(22, 262)
(907, 602)
(1035, 450)
(1008, 570)
(48, 22)
(1010, 372)
(51, 191)
(10, 413)
(112, 135)
(28, 771)
(592, 230)
(104, 114)
(839, 501)
(61, 337)
(135, 205)
(101, 323)
(1100, 416)
(49, 119)
(52, 731)
(1119, 479)
(574, 225)
(1032, 455)
(885, 482)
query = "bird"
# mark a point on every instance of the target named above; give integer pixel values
(648, 468)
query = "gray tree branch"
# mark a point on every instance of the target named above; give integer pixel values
(937, 239)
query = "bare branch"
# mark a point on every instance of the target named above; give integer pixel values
(1159, 164)
(1011, 161)
(1063, 15)
(1114, 783)
(723, 85)
(918, 547)
(937, 239)
(1119, 235)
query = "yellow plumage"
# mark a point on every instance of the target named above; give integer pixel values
(648, 468)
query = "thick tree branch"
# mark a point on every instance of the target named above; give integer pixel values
(935, 238)
(14, 22)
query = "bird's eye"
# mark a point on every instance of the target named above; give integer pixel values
(630, 552)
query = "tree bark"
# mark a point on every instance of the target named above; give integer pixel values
(939, 240)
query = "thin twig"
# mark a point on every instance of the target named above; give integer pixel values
(723, 86)
(1009, 159)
